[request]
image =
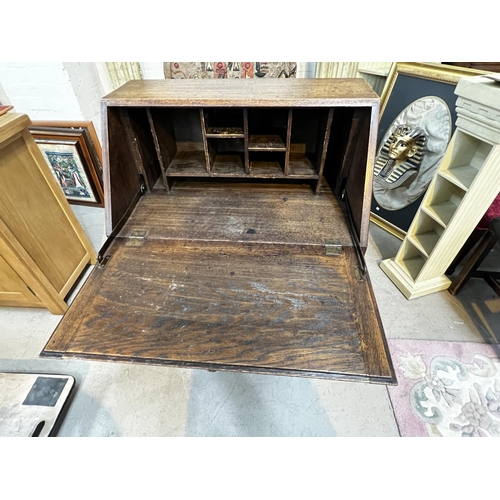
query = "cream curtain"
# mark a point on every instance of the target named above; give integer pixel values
(337, 70)
(374, 73)
(122, 72)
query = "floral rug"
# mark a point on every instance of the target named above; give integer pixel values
(446, 388)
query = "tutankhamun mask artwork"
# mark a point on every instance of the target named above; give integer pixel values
(400, 156)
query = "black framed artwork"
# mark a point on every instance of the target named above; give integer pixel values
(417, 121)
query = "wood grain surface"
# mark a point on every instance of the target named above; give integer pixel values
(241, 212)
(245, 93)
(228, 306)
(214, 284)
(122, 181)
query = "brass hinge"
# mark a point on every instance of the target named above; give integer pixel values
(136, 238)
(103, 260)
(359, 273)
(333, 247)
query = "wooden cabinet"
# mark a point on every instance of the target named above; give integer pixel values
(43, 249)
(237, 215)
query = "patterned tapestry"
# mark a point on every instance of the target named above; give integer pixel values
(230, 69)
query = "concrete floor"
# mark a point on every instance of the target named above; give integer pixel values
(113, 399)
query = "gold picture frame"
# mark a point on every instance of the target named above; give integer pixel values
(417, 79)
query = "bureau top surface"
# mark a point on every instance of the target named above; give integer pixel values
(300, 92)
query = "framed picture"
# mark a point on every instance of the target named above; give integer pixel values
(417, 121)
(73, 153)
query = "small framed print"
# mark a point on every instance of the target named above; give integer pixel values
(73, 154)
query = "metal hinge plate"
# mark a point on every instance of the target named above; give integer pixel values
(136, 238)
(103, 260)
(333, 247)
(359, 273)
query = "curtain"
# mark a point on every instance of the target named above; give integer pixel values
(337, 70)
(122, 72)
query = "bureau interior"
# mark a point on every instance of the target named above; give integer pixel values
(150, 145)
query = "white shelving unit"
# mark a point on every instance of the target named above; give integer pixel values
(467, 182)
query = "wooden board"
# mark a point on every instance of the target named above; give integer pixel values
(214, 284)
(245, 93)
(259, 213)
(246, 307)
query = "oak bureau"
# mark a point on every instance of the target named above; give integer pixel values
(237, 216)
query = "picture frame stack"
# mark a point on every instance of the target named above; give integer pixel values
(73, 152)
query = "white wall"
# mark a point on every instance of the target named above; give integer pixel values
(152, 70)
(41, 90)
(53, 90)
(88, 89)
(306, 69)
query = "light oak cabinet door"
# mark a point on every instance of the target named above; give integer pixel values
(13, 290)
(43, 246)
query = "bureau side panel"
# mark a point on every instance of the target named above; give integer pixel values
(122, 182)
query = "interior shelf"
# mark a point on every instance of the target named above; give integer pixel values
(426, 234)
(425, 242)
(442, 212)
(266, 169)
(445, 199)
(228, 165)
(188, 163)
(469, 154)
(460, 176)
(301, 166)
(268, 142)
(224, 132)
(412, 260)
(260, 143)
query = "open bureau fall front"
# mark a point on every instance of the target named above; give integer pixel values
(237, 217)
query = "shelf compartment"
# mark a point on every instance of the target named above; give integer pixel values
(300, 165)
(224, 152)
(427, 234)
(188, 163)
(266, 169)
(267, 163)
(412, 261)
(223, 122)
(460, 176)
(309, 130)
(468, 156)
(267, 129)
(445, 199)
(266, 142)
(228, 165)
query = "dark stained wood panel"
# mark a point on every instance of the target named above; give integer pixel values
(122, 182)
(267, 169)
(188, 163)
(224, 132)
(228, 165)
(245, 93)
(244, 307)
(290, 214)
